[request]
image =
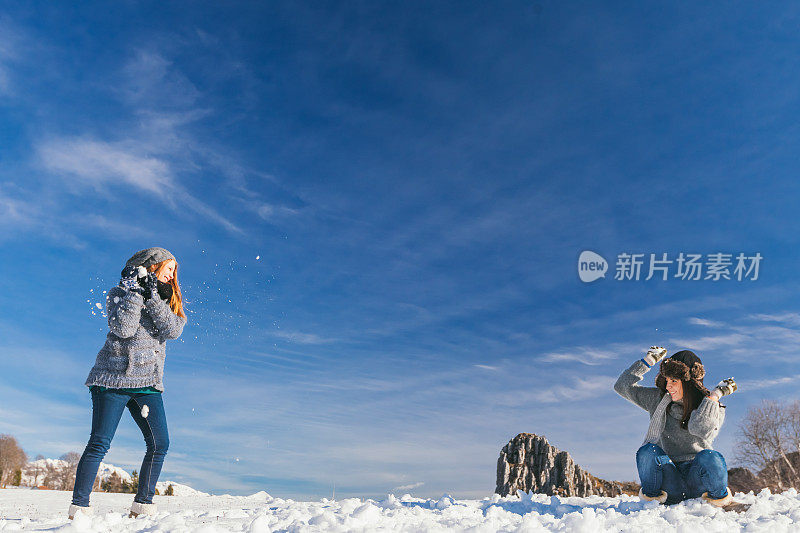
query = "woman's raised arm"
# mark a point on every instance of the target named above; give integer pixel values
(628, 387)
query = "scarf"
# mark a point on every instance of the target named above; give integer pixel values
(164, 290)
(658, 421)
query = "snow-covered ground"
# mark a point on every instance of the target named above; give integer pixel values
(31, 510)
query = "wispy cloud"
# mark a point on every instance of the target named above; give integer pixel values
(302, 338)
(703, 322)
(102, 164)
(792, 319)
(109, 165)
(711, 341)
(150, 80)
(13, 209)
(580, 388)
(748, 385)
(410, 486)
(582, 354)
(11, 43)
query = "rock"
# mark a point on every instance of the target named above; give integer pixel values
(529, 463)
(777, 475)
(743, 480)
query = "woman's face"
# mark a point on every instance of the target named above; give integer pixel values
(675, 389)
(166, 272)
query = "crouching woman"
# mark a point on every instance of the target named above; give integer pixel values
(676, 461)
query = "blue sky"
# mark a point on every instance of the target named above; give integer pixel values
(377, 209)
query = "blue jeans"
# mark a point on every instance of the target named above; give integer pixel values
(683, 480)
(107, 409)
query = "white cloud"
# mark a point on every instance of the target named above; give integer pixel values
(579, 389)
(758, 384)
(583, 354)
(17, 210)
(410, 486)
(151, 80)
(270, 211)
(703, 322)
(792, 319)
(101, 163)
(107, 165)
(711, 341)
(302, 338)
(11, 43)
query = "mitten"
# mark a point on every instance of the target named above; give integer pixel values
(151, 286)
(130, 278)
(654, 355)
(724, 388)
(164, 290)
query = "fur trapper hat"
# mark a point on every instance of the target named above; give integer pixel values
(685, 366)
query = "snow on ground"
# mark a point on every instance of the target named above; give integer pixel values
(31, 510)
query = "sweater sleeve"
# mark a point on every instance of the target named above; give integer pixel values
(169, 325)
(627, 386)
(124, 309)
(705, 421)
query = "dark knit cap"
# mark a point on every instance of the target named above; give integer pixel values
(149, 256)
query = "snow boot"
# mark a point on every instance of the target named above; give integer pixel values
(142, 509)
(74, 509)
(661, 498)
(720, 502)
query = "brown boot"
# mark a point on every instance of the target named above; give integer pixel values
(661, 498)
(139, 509)
(74, 509)
(720, 502)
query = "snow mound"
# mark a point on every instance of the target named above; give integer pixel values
(106, 470)
(24, 510)
(178, 489)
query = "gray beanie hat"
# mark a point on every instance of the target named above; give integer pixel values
(149, 256)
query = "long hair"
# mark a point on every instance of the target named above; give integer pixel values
(176, 301)
(692, 396)
(687, 367)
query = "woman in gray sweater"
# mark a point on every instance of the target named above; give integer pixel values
(144, 311)
(676, 461)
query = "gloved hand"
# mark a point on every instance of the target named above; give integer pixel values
(130, 278)
(151, 286)
(724, 388)
(654, 355)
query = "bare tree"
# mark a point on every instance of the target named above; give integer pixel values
(769, 443)
(36, 469)
(66, 474)
(52, 475)
(12, 459)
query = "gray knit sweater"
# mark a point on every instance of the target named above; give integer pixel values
(134, 352)
(678, 443)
